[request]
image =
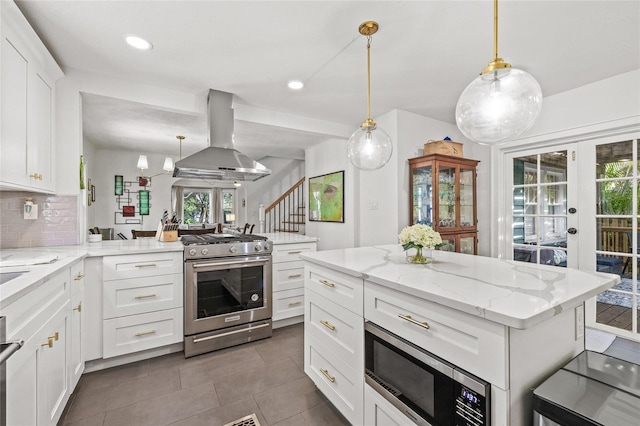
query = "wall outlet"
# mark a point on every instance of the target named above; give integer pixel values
(32, 214)
(579, 322)
(373, 205)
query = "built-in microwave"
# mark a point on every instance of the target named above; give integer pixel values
(427, 389)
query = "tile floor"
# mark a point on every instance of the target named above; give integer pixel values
(264, 377)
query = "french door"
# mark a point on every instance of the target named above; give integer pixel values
(581, 209)
(543, 224)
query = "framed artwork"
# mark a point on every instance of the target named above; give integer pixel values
(326, 197)
(119, 185)
(128, 211)
(93, 193)
(90, 197)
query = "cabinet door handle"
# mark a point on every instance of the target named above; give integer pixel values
(55, 336)
(295, 303)
(78, 277)
(329, 326)
(295, 275)
(145, 265)
(146, 296)
(327, 283)
(144, 333)
(79, 308)
(48, 343)
(412, 321)
(295, 252)
(327, 375)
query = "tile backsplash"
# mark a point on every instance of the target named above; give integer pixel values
(56, 225)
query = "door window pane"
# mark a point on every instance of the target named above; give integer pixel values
(196, 206)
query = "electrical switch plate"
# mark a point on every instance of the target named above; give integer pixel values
(579, 322)
(373, 205)
(33, 214)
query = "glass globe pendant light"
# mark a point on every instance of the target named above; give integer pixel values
(500, 104)
(369, 147)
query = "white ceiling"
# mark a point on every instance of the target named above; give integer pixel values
(422, 58)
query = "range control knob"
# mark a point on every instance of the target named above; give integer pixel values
(205, 251)
(258, 247)
(233, 249)
(193, 252)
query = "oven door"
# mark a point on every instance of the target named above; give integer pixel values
(226, 292)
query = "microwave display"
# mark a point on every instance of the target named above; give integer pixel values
(427, 389)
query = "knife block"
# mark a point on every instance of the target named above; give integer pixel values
(168, 236)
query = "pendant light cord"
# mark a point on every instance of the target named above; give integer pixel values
(369, 77)
(495, 29)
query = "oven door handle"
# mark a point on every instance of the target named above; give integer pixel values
(241, 262)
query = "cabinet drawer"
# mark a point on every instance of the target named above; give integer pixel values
(290, 252)
(288, 275)
(141, 265)
(288, 303)
(139, 332)
(380, 412)
(340, 288)
(338, 329)
(140, 295)
(77, 277)
(473, 344)
(341, 384)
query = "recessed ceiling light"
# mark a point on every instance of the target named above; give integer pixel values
(295, 85)
(138, 43)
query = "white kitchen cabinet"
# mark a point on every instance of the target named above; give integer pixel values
(92, 308)
(380, 412)
(142, 302)
(334, 341)
(37, 375)
(27, 112)
(288, 280)
(76, 315)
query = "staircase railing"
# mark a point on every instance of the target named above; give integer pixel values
(287, 213)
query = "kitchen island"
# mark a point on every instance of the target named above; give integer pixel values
(508, 323)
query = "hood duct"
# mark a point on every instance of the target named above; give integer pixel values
(220, 160)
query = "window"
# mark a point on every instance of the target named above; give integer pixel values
(197, 206)
(228, 206)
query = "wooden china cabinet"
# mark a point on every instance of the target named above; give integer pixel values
(442, 192)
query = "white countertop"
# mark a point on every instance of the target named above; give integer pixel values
(288, 237)
(36, 275)
(516, 294)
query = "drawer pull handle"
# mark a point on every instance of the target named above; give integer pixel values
(412, 321)
(295, 303)
(144, 333)
(329, 326)
(49, 342)
(327, 375)
(145, 265)
(146, 296)
(55, 336)
(79, 308)
(295, 275)
(78, 277)
(295, 252)
(327, 283)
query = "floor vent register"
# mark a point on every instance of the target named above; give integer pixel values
(250, 420)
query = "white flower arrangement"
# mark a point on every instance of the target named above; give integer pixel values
(419, 236)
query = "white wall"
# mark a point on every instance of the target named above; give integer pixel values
(329, 157)
(284, 174)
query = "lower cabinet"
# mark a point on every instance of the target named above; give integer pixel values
(334, 344)
(76, 325)
(288, 280)
(38, 374)
(380, 412)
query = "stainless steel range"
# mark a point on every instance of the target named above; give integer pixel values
(227, 291)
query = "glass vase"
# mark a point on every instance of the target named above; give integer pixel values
(421, 256)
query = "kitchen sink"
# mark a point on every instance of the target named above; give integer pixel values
(8, 276)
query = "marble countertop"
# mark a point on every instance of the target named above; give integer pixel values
(288, 237)
(515, 294)
(36, 275)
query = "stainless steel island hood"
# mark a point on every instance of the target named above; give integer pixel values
(220, 160)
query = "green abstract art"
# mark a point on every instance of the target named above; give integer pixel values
(326, 197)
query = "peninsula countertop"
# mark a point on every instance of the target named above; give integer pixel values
(515, 294)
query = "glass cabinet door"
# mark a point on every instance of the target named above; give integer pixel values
(467, 198)
(423, 195)
(447, 197)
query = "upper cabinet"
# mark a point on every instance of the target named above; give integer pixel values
(28, 75)
(443, 196)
